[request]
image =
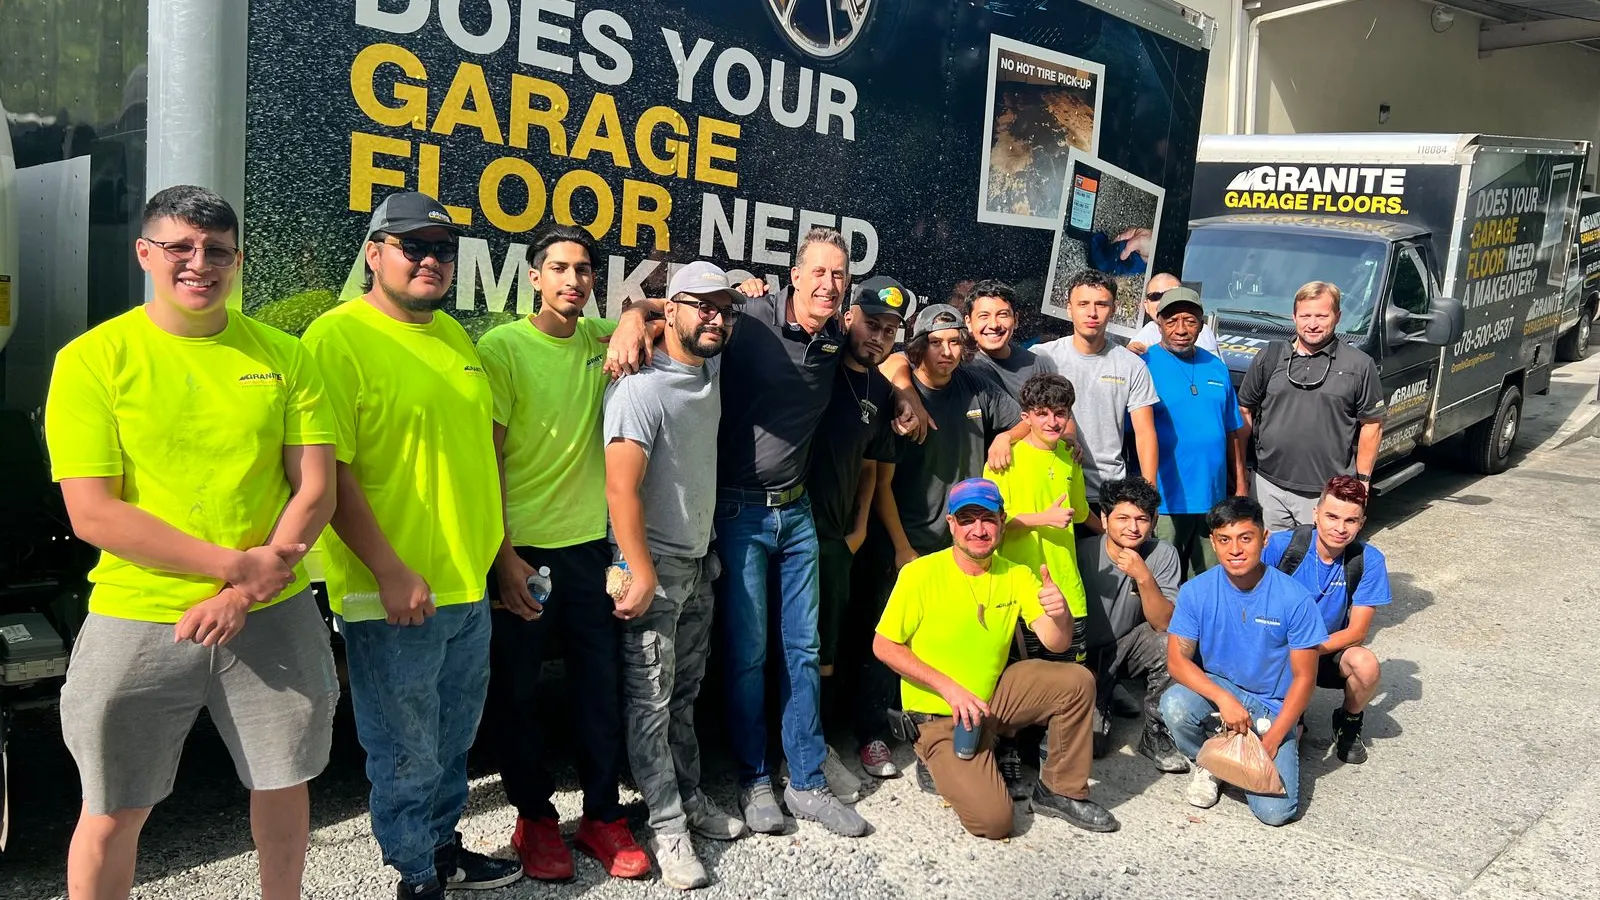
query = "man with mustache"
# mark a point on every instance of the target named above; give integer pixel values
(411, 546)
(660, 434)
(1315, 406)
(549, 384)
(1112, 384)
(947, 631)
(1150, 334)
(780, 366)
(1348, 579)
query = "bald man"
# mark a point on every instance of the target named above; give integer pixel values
(1150, 334)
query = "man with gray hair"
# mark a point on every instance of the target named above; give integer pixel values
(1150, 334)
(781, 362)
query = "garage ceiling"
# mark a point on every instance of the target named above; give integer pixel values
(1530, 23)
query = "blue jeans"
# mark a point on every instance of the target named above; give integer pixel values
(752, 541)
(1186, 714)
(418, 693)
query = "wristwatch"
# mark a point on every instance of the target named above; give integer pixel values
(1363, 478)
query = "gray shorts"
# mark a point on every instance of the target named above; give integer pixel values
(1284, 509)
(132, 695)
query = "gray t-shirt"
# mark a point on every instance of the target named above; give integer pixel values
(1114, 605)
(971, 411)
(1013, 371)
(1109, 385)
(672, 411)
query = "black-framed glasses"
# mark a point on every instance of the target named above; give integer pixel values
(1308, 378)
(709, 310)
(183, 251)
(417, 250)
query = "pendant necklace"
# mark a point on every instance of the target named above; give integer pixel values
(867, 406)
(982, 604)
(1193, 389)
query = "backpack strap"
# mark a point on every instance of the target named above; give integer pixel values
(1355, 561)
(1295, 553)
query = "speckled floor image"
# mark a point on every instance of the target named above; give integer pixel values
(1118, 207)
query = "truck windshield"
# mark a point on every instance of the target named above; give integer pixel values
(1255, 274)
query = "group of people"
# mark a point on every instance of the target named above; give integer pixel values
(943, 545)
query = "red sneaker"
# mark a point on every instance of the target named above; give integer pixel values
(612, 844)
(544, 855)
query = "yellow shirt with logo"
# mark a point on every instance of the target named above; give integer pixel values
(195, 428)
(548, 393)
(412, 404)
(957, 623)
(1036, 480)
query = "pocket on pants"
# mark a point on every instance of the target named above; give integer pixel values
(725, 510)
(641, 656)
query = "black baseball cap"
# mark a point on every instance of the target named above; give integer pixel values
(881, 295)
(410, 211)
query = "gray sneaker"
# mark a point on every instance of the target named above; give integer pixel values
(760, 807)
(843, 782)
(822, 806)
(708, 820)
(680, 867)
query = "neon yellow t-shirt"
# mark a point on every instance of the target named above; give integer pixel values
(1036, 479)
(934, 610)
(548, 393)
(195, 427)
(413, 404)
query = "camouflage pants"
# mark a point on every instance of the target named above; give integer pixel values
(664, 660)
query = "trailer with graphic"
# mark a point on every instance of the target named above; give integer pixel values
(1452, 252)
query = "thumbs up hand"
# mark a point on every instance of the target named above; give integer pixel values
(1056, 515)
(1050, 597)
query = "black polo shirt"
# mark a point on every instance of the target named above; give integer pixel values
(1306, 435)
(776, 381)
(855, 426)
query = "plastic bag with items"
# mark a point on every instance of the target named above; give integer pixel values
(1240, 760)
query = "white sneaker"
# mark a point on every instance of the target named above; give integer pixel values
(680, 866)
(841, 781)
(1203, 789)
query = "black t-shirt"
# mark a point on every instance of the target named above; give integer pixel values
(776, 381)
(843, 440)
(970, 411)
(1306, 435)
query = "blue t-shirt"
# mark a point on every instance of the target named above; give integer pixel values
(1246, 637)
(1325, 581)
(1197, 412)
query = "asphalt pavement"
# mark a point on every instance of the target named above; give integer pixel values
(1482, 780)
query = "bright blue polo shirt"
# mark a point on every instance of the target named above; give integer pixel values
(1325, 581)
(1197, 412)
(1246, 636)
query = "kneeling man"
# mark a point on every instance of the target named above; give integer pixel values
(947, 631)
(1257, 632)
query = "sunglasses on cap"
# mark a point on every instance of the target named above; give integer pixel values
(417, 250)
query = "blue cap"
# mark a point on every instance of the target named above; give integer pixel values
(979, 492)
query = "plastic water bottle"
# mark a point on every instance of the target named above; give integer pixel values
(539, 585)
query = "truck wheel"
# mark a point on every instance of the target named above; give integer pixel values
(1489, 443)
(831, 32)
(1574, 345)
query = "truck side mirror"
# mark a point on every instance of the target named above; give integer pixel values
(1445, 320)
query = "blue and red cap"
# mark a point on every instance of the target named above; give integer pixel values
(979, 492)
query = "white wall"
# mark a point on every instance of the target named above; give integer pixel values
(1330, 70)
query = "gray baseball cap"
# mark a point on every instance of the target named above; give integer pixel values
(702, 279)
(938, 317)
(410, 211)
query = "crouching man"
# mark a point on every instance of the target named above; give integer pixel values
(1257, 632)
(947, 630)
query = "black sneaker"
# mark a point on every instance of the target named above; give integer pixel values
(461, 869)
(429, 890)
(1009, 758)
(1158, 746)
(1347, 738)
(1085, 814)
(1102, 732)
(925, 779)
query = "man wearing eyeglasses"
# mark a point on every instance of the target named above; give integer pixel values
(411, 545)
(1150, 334)
(549, 382)
(195, 449)
(947, 632)
(660, 432)
(1315, 406)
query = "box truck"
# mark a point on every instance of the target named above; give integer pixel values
(935, 135)
(1453, 252)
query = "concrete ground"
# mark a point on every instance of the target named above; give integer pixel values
(1481, 781)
